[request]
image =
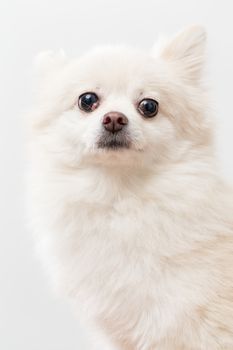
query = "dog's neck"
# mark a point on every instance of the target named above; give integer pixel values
(103, 183)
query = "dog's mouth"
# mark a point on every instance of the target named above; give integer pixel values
(114, 141)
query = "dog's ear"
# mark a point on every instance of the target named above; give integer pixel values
(187, 49)
(47, 63)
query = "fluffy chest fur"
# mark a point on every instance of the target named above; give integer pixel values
(131, 253)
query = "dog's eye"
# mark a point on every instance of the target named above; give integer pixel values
(148, 108)
(88, 101)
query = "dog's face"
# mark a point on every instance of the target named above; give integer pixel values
(118, 105)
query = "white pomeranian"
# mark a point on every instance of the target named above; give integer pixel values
(130, 215)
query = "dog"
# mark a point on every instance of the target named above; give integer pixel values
(130, 214)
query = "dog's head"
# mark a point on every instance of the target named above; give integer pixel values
(119, 105)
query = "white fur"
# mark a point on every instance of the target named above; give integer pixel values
(140, 239)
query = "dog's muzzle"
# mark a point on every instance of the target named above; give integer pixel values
(114, 134)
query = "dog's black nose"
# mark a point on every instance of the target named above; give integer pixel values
(114, 121)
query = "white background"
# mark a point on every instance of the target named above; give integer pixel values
(30, 317)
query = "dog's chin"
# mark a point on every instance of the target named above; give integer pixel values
(114, 150)
(114, 142)
(113, 146)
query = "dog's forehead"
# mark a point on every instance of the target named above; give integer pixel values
(115, 67)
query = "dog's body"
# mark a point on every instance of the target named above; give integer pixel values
(138, 233)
